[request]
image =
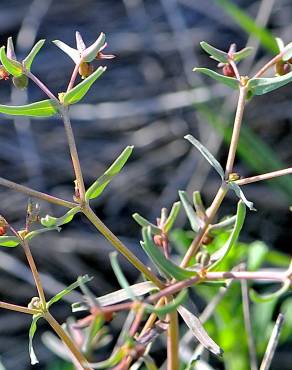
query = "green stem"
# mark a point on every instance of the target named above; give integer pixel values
(67, 340)
(172, 341)
(119, 245)
(15, 307)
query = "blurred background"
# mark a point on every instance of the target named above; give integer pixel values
(150, 98)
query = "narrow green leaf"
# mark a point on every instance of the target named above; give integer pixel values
(236, 188)
(81, 280)
(205, 152)
(145, 223)
(172, 216)
(79, 91)
(219, 55)
(91, 332)
(12, 66)
(120, 276)
(261, 86)
(198, 204)
(242, 54)
(9, 241)
(191, 214)
(44, 108)
(259, 298)
(218, 256)
(35, 233)
(228, 81)
(50, 221)
(172, 306)
(248, 24)
(90, 53)
(118, 296)
(72, 53)
(99, 185)
(32, 54)
(32, 330)
(226, 223)
(113, 360)
(161, 262)
(199, 332)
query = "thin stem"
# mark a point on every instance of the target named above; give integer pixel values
(172, 341)
(73, 152)
(265, 176)
(42, 86)
(236, 130)
(268, 65)
(117, 243)
(67, 340)
(35, 273)
(211, 212)
(14, 307)
(73, 77)
(36, 194)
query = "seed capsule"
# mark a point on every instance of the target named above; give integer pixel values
(85, 69)
(282, 68)
(20, 82)
(228, 70)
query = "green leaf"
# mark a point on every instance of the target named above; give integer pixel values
(257, 252)
(118, 296)
(34, 51)
(198, 204)
(9, 241)
(219, 55)
(226, 223)
(228, 81)
(50, 221)
(242, 54)
(90, 53)
(113, 360)
(32, 330)
(172, 216)
(120, 276)
(170, 307)
(249, 25)
(205, 152)
(99, 185)
(79, 91)
(161, 262)
(12, 66)
(191, 214)
(259, 298)
(81, 280)
(218, 256)
(199, 332)
(145, 223)
(236, 188)
(44, 108)
(73, 53)
(35, 233)
(261, 86)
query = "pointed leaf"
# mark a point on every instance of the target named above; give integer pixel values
(113, 360)
(219, 55)
(118, 296)
(199, 332)
(226, 223)
(34, 51)
(145, 223)
(228, 81)
(73, 53)
(205, 152)
(161, 262)
(78, 92)
(32, 330)
(259, 298)
(243, 53)
(195, 222)
(90, 53)
(44, 108)
(12, 66)
(99, 185)
(217, 257)
(9, 241)
(81, 280)
(260, 86)
(50, 221)
(172, 216)
(170, 307)
(199, 206)
(35, 233)
(236, 188)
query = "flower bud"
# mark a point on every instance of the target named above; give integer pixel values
(85, 69)
(228, 70)
(282, 68)
(20, 82)
(203, 258)
(158, 240)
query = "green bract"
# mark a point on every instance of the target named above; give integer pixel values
(12, 66)
(50, 221)
(189, 209)
(34, 51)
(77, 93)
(229, 81)
(44, 108)
(9, 241)
(260, 86)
